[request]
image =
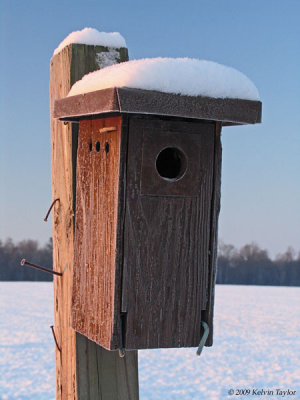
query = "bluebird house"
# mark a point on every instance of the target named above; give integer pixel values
(147, 204)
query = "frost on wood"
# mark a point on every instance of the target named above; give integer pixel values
(93, 37)
(105, 59)
(184, 76)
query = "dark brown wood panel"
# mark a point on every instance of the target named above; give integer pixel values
(140, 101)
(94, 312)
(216, 203)
(166, 242)
(208, 108)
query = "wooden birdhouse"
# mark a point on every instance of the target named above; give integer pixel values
(147, 204)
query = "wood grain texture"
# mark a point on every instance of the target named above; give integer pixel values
(216, 204)
(94, 312)
(62, 188)
(66, 68)
(166, 240)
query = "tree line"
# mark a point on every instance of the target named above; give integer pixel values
(249, 265)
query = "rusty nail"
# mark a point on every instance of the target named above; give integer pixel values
(53, 333)
(49, 271)
(47, 215)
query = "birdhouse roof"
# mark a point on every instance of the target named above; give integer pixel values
(229, 111)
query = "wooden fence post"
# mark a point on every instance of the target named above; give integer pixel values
(84, 370)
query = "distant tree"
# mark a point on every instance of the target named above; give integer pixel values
(289, 267)
(252, 251)
(288, 256)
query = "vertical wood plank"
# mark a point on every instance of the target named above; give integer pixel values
(216, 203)
(95, 314)
(66, 68)
(62, 188)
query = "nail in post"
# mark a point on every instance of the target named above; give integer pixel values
(53, 333)
(47, 215)
(49, 271)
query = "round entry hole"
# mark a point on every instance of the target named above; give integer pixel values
(171, 163)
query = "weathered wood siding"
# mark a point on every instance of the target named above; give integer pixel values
(167, 234)
(94, 312)
(153, 102)
(158, 237)
(63, 148)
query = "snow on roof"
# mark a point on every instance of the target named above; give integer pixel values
(93, 37)
(184, 76)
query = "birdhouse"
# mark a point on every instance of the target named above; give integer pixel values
(147, 205)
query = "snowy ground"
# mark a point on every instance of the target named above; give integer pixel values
(257, 346)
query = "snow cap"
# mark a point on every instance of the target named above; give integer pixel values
(186, 76)
(93, 37)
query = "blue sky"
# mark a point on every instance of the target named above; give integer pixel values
(261, 163)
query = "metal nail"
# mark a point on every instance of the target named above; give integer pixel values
(47, 215)
(49, 271)
(53, 333)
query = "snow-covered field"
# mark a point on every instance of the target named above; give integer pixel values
(257, 347)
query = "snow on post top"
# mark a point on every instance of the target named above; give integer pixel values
(184, 76)
(93, 37)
